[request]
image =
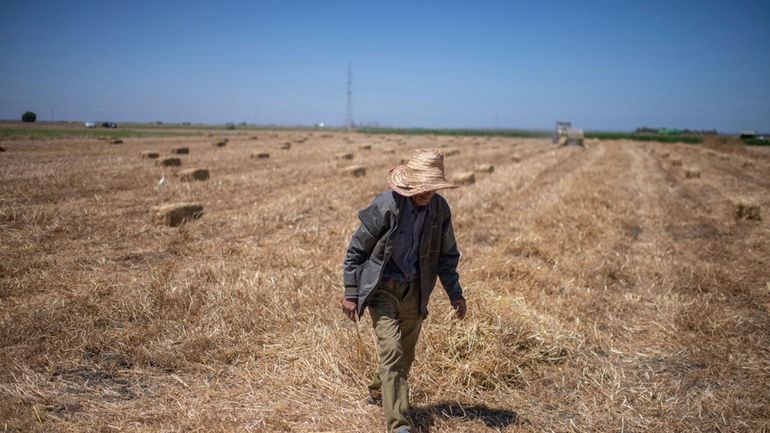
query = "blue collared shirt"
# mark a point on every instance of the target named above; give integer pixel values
(404, 261)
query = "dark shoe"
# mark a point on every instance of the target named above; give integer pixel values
(375, 397)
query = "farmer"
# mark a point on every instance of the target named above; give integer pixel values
(404, 242)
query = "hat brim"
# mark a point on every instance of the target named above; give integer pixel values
(408, 191)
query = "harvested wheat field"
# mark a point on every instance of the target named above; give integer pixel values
(607, 291)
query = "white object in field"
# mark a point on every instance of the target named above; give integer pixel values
(90, 124)
(161, 182)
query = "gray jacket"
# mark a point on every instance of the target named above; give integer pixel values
(372, 245)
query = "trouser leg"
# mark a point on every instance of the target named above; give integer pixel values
(397, 326)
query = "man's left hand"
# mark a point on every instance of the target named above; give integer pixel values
(460, 307)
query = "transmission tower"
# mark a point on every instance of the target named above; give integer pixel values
(349, 124)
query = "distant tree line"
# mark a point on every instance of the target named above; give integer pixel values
(648, 130)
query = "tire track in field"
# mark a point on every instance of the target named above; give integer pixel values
(686, 340)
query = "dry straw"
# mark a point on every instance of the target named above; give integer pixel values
(193, 174)
(484, 168)
(169, 162)
(464, 178)
(176, 214)
(354, 170)
(602, 297)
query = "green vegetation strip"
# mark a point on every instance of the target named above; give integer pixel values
(755, 142)
(62, 133)
(458, 132)
(690, 139)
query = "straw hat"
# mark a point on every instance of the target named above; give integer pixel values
(423, 172)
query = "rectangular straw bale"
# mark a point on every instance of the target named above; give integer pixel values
(465, 178)
(169, 162)
(664, 155)
(220, 143)
(747, 210)
(149, 154)
(365, 147)
(452, 153)
(180, 150)
(692, 173)
(345, 155)
(260, 155)
(676, 162)
(176, 214)
(286, 146)
(2, 149)
(191, 174)
(354, 170)
(485, 168)
(116, 141)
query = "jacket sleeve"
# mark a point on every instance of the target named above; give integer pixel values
(373, 224)
(449, 257)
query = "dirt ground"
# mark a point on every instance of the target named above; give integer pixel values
(607, 291)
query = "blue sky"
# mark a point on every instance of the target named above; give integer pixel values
(606, 65)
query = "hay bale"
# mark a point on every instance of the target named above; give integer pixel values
(747, 210)
(176, 214)
(747, 164)
(221, 143)
(116, 141)
(354, 170)
(365, 147)
(2, 149)
(485, 168)
(149, 154)
(664, 155)
(192, 174)
(676, 162)
(286, 146)
(516, 159)
(260, 155)
(180, 150)
(466, 178)
(692, 173)
(345, 155)
(169, 162)
(452, 153)
(389, 151)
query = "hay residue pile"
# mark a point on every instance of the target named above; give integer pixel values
(193, 174)
(354, 170)
(169, 162)
(176, 214)
(464, 178)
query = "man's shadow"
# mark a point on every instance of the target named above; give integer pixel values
(423, 418)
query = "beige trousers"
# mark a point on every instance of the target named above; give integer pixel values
(395, 310)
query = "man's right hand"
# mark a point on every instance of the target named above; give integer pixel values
(350, 308)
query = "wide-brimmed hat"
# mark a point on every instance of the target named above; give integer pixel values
(423, 172)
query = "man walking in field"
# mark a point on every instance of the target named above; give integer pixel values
(405, 241)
